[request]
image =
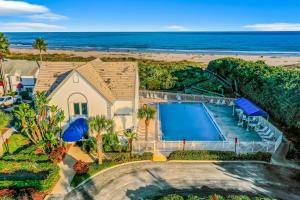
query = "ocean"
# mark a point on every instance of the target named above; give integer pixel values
(252, 43)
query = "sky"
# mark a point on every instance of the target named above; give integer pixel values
(149, 15)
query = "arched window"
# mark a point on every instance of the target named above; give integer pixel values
(78, 105)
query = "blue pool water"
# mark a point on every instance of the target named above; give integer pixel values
(187, 121)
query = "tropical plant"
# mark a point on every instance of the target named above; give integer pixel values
(147, 113)
(4, 44)
(41, 102)
(111, 142)
(40, 131)
(98, 126)
(41, 45)
(130, 136)
(60, 119)
(4, 121)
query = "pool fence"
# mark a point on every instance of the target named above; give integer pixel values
(167, 147)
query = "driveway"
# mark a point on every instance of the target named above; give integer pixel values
(148, 179)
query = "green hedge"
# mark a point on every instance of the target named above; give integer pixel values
(115, 159)
(41, 185)
(219, 197)
(276, 89)
(217, 155)
(26, 157)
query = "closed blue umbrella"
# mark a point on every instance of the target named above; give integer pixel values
(76, 130)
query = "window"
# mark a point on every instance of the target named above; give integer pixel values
(76, 109)
(80, 109)
(84, 109)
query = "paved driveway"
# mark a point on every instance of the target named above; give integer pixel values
(142, 180)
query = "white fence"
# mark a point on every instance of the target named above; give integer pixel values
(169, 96)
(241, 147)
(166, 147)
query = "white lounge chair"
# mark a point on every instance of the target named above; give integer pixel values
(262, 129)
(265, 133)
(223, 102)
(218, 102)
(165, 97)
(211, 101)
(178, 97)
(269, 137)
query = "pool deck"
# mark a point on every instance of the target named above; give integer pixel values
(222, 115)
(228, 124)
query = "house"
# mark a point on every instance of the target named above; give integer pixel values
(83, 90)
(19, 75)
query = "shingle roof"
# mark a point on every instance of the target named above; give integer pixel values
(91, 75)
(21, 67)
(114, 80)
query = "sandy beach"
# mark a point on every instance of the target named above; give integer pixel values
(205, 58)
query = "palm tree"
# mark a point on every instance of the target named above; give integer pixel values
(147, 113)
(4, 44)
(100, 125)
(41, 45)
(41, 103)
(130, 136)
(60, 118)
(4, 121)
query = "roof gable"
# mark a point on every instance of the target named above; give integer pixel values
(114, 80)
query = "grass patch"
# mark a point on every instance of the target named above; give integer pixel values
(22, 168)
(49, 57)
(49, 170)
(16, 141)
(218, 155)
(114, 159)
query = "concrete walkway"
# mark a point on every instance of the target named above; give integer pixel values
(67, 173)
(147, 179)
(278, 157)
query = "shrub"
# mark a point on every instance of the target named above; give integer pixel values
(125, 157)
(57, 154)
(276, 89)
(217, 155)
(81, 167)
(173, 197)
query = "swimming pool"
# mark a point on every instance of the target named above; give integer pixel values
(180, 121)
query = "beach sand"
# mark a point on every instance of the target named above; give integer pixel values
(204, 58)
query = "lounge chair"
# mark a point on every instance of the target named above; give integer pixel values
(218, 102)
(265, 133)
(178, 98)
(211, 101)
(223, 102)
(269, 137)
(262, 129)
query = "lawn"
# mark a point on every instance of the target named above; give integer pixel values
(22, 170)
(15, 142)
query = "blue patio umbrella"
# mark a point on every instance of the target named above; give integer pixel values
(76, 130)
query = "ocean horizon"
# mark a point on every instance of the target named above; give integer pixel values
(227, 43)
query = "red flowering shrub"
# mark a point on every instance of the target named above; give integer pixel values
(57, 154)
(81, 167)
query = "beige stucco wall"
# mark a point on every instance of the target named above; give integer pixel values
(123, 114)
(79, 91)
